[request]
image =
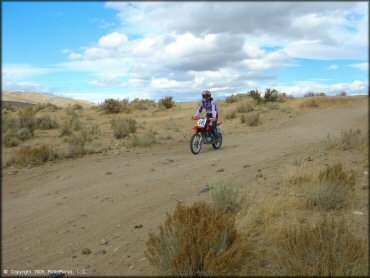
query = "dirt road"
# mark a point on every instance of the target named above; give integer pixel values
(50, 213)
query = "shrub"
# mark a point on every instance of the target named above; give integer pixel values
(48, 107)
(354, 139)
(230, 115)
(77, 106)
(325, 249)
(24, 134)
(333, 189)
(273, 106)
(28, 155)
(342, 94)
(243, 119)
(65, 131)
(197, 241)
(123, 127)
(146, 140)
(312, 94)
(256, 95)
(74, 121)
(253, 120)
(45, 122)
(244, 108)
(167, 102)
(26, 119)
(231, 99)
(10, 139)
(288, 110)
(141, 104)
(225, 198)
(271, 95)
(111, 105)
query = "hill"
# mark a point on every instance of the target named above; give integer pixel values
(36, 97)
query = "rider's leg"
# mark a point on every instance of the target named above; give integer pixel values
(214, 124)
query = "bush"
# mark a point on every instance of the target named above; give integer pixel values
(256, 95)
(28, 155)
(312, 94)
(354, 139)
(77, 106)
(231, 99)
(244, 108)
(271, 95)
(273, 106)
(167, 102)
(288, 110)
(197, 241)
(111, 105)
(26, 119)
(325, 249)
(10, 139)
(253, 120)
(230, 115)
(48, 107)
(24, 134)
(74, 122)
(243, 119)
(65, 131)
(225, 198)
(146, 140)
(123, 127)
(342, 94)
(141, 104)
(333, 189)
(45, 122)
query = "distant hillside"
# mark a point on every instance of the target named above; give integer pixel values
(35, 97)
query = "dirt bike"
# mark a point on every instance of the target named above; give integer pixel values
(205, 135)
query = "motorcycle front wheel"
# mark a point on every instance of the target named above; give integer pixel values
(196, 143)
(218, 144)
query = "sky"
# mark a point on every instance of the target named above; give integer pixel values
(100, 50)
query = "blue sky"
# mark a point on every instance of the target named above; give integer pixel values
(99, 50)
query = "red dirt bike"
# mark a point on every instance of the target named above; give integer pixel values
(205, 135)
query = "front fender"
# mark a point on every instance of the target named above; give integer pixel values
(198, 128)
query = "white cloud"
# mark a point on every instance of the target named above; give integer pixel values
(302, 87)
(361, 66)
(113, 40)
(332, 67)
(21, 72)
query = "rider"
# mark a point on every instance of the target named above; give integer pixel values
(211, 108)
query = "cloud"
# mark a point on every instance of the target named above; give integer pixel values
(19, 72)
(332, 67)
(361, 66)
(300, 88)
(113, 40)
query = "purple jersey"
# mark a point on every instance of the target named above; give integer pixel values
(210, 106)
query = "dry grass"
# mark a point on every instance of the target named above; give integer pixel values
(225, 197)
(46, 122)
(244, 108)
(273, 106)
(31, 156)
(243, 119)
(325, 249)
(324, 102)
(167, 102)
(197, 241)
(145, 140)
(253, 120)
(332, 189)
(230, 115)
(231, 99)
(123, 127)
(354, 139)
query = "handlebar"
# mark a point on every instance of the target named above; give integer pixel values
(210, 119)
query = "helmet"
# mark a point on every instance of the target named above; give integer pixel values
(206, 94)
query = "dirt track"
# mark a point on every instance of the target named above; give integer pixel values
(52, 212)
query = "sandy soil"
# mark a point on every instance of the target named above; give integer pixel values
(52, 212)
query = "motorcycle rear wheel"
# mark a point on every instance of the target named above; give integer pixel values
(196, 143)
(218, 144)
